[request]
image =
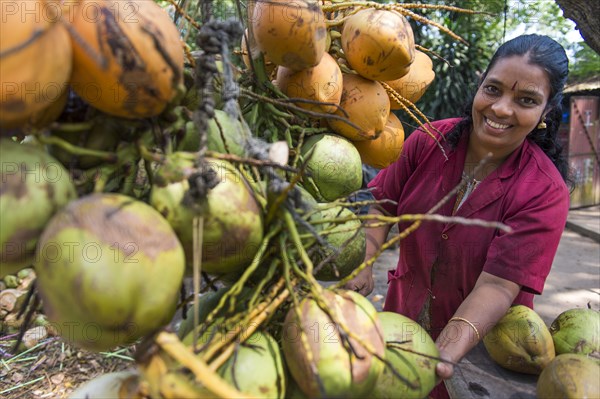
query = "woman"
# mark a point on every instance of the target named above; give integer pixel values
(457, 280)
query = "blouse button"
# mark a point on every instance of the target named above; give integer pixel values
(445, 236)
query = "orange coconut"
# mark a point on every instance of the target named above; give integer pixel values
(128, 57)
(35, 60)
(292, 34)
(46, 115)
(378, 44)
(367, 106)
(322, 83)
(413, 85)
(386, 148)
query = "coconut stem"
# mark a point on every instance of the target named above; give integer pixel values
(249, 161)
(253, 324)
(198, 238)
(403, 102)
(439, 218)
(204, 375)
(295, 237)
(433, 53)
(182, 12)
(400, 8)
(236, 289)
(443, 7)
(76, 150)
(149, 155)
(240, 319)
(293, 107)
(369, 262)
(254, 300)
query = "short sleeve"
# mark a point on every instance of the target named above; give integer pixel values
(525, 255)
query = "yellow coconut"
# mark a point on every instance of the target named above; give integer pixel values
(128, 57)
(322, 83)
(520, 341)
(413, 85)
(378, 44)
(570, 376)
(292, 34)
(35, 60)
(386, 148)
(367, 106)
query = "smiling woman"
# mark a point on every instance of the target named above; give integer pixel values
(456, 280)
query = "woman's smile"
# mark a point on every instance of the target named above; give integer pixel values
(496, 125)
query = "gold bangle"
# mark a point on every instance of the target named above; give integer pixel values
(469, 323)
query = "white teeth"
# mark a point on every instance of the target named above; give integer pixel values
(496, 125)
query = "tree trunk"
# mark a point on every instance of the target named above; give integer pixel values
(586, 15)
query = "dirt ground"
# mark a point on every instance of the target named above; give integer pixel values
(53, 370)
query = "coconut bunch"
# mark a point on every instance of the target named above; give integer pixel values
(349, 65)
(304, 203)
(194, 170)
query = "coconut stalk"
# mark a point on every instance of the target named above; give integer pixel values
(203, 374)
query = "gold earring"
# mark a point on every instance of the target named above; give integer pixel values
(542, 125)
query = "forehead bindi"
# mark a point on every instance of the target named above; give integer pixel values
(517, 75)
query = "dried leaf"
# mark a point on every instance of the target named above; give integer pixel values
(57, 378)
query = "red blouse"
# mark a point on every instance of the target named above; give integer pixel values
(443, 261)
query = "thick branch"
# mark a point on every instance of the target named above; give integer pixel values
(586, 15)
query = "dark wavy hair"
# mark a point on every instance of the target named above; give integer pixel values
(551, 57)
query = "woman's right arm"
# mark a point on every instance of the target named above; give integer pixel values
(376, 237)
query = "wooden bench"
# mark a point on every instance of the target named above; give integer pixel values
(478, 377)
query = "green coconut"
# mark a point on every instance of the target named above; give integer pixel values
(333, 165)
(109, 270)
(227, 135)
(233, 225)
(340, 373)
(256, 368)
(576, 331)
(347, 243)
(569, 376)
(409, 350)
(34, 187)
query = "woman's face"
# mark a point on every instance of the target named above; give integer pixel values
(508, 105)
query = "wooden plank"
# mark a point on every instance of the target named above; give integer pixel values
(478, 377)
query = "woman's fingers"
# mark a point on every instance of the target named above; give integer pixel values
(444, 370)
